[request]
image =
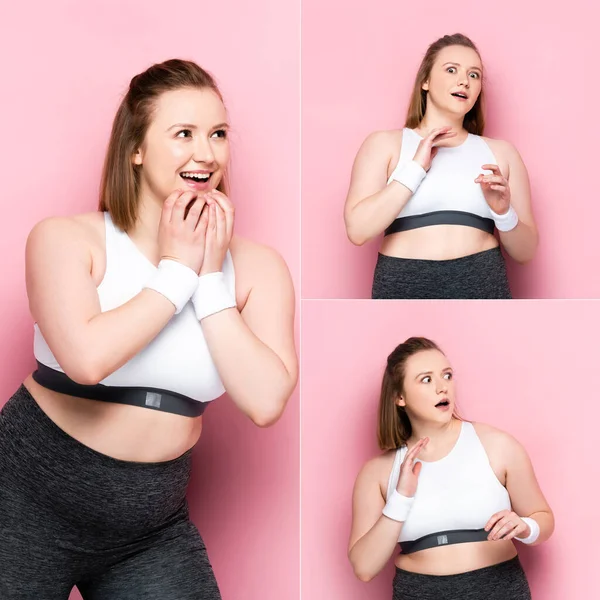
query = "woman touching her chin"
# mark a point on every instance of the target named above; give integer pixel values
(145, 312)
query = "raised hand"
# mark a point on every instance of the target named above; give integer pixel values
(505, 525)
(409, 470)
(218, 232)
(182, 229)
(428, 147)
(495, 189)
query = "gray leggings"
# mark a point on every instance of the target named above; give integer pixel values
(70, 516)
(477, 276)
(505, 581)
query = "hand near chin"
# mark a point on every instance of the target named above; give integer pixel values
(505, 525)
(219, 231)
(495, 189)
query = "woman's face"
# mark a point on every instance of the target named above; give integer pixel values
(454, 83)
(186, 145)
(428, 393)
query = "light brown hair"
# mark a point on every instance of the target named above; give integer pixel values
(120, 183)
(394, 427)
(474, 121)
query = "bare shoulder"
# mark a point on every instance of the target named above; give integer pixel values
(495, 440)
(249, 255)
(83, 230)
(502, 148)
(377, 471)
(382, 142)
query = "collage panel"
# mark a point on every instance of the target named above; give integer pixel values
(432, 421)
(439, 159)
(151, 248)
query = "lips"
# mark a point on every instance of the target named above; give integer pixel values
(460, 95)
(443, 403)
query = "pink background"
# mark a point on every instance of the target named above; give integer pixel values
(529, 368)
(358, 69)
(72, 62)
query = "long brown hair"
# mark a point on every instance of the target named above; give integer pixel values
(120, 184)
(394, 428)
(474, 121)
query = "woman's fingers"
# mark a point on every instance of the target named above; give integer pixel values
(194, 212)
(494, 518)
(169, 204)
(178, 212)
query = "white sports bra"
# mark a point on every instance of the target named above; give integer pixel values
(177, 360)
(457, 492)
(448, 195)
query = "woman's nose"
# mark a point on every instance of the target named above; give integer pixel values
(203, 152)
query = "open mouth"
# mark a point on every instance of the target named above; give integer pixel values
(460, 95)
(442, 404)
(195, 177)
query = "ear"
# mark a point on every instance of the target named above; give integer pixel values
(425, 86)
(137, 157)
(400, 401)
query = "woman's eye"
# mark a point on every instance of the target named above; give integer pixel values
(448, 375)
(186, 131)
(475, 75)
(451, 70)
(426, 379)
(220, 133)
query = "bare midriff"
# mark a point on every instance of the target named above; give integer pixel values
(121, 431)
(457, 558)
(437, 242)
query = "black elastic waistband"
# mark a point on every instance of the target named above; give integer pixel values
(444, 538)
(145, 397)
(441, 217)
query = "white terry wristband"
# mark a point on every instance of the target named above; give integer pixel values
(398, 506)
(535, 531)
(211, 295)
(507, 221)
(175, 282)
(410, 175)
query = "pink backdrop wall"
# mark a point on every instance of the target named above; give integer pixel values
(66, 66)
(358, 68)
(529, 368)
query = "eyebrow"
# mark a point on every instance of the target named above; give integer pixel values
(447, 369)
(458, 65)
(192, 126)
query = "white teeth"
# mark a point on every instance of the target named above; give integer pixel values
(197, 176)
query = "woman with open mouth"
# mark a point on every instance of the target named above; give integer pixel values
(145, 312)
(453, 494)
(438, 190)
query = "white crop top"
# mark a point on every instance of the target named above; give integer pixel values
(448, 194)
(459, 491)
(177, 359)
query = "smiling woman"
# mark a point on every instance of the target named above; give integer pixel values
(145, 312)
(424, 189)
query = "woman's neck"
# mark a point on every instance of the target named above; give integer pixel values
(437, 433)
(434, 119)
(145, 229)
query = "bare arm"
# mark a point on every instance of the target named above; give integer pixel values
(525, 494)
(371, 204)
(254, 349)
(526, 497)
(522, 241)
(373, 536)
(88, 344)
